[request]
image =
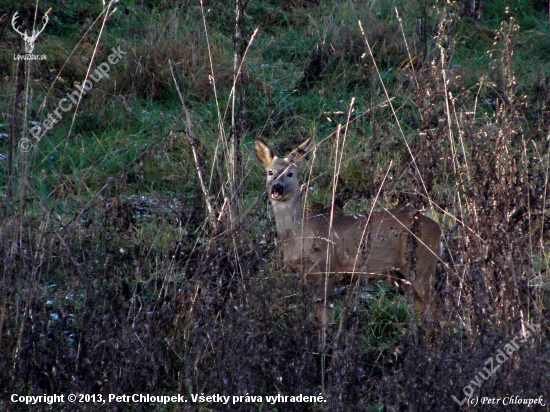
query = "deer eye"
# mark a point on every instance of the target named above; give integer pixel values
(270, 172)
(290, 174)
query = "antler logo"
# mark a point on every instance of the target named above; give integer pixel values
(29, 40)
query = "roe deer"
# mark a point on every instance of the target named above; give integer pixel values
(394, 243)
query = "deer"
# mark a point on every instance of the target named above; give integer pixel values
(328, 250)
(29, 40)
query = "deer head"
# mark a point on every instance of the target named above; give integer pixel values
(29, 40)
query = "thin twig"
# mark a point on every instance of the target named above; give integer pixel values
(190, 138)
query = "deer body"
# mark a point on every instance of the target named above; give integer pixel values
(395, 243)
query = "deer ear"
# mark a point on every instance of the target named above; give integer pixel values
(263, 152)
(299, 151)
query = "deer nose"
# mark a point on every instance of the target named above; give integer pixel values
(277, 191)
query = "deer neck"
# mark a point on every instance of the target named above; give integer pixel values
(288, 217)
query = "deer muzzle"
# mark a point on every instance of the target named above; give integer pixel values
(277, 191)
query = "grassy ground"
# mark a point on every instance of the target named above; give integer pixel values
(138, 248)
